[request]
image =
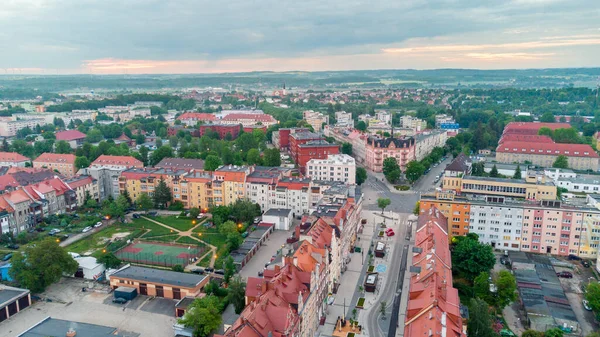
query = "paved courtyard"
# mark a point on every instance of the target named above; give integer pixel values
(70, 303)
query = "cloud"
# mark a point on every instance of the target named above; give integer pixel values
(158, 35)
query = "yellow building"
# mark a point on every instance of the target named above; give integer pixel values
(530, 188)
(143, 180)
(196, 190)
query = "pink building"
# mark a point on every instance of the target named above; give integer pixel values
(378, 149)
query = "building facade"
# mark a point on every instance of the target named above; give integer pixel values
(13, 159)
(63, 163)
(378, 149)
(338, 167)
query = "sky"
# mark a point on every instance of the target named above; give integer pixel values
(211, 36)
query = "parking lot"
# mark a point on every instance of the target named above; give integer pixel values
(573, 288)
(148, 317)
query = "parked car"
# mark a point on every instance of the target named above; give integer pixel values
(136, 216)
(256, 221)
(260, 273)
(12, 246)
(98, 224)
(585, 264)
(502, 260)
(119, 300)
(390, 232)
(63, 237)
(220, 272)
(574, 257)
(209, 269)
(198, 271)
(54, 231)
(87, 229)
(586, 305)
(564, 274)
(153, 213)
(7, 257)
(40, 229)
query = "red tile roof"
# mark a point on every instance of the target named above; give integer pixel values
(321, 233)
(117, 160)
(513, 137)
(55, 158)
(12, 157)
(58, 185)
(532, 128)
(254, 117)
(80, 181)
(197, 116)
(554, 149)
(70, 135)
(8, 180)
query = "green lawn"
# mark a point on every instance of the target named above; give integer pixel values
(97, 240)
(189, 241)
(181, 223)
(205, 262)
(164, 238)
(155, 229)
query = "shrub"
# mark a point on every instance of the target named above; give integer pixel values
(361, 303)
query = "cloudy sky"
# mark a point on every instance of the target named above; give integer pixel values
(198, 36)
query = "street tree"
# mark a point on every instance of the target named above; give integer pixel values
(470, 257)
(480, 320)
(361, 126)
(40, 265)
(229, 269)
(144, 203)
(414, 170)
(506, 285)
(361, 175)
(561, 162)
(347, 148)
(237, 294)
(593, 296)
(162, 194)
(383, 203)
(382, 308)
(203, 316)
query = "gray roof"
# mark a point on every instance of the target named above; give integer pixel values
(51, 327)
(159, 276)
(181, 163)
(278, 212)
(459, 164)
(9, 294)
(306, 135)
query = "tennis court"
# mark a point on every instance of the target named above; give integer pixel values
(162, 254)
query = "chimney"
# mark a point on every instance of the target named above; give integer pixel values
(263, 287)
(277, 268)
(71, 333)
(296, 261)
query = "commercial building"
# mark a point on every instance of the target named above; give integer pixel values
(533, 187)
(580, 156)
(248, 119)
(75, 138)
(378, 149)
(337, 167)
(433, 303)
(63, 163)
(12, 300)
(13, 159)
(315, 119)
(159, 283)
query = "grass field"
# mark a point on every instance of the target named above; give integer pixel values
(205, 262)
(158, 253)
(181, 223)
(155, 229)
(164, 238)
(189, 241)
(97, 240)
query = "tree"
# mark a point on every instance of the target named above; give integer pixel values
(478, 169)
(480, 320)
(234, 241)
(506, 285)
(123, 203)
(546, 131)
(237, 294)
(160, 153)
(144, 154)
(5, 147)
(561, 162)
(162, 194)
(517, 174)
(203, 315)
(62, 147)
(361, 175)
(470, 257)
(109, 260)
(227, 227)
(253, 157)
(59, 122)
(532, 333)
(40, 265)
(91, 203)
(81, 162)
(547, 117)
(244, 210)
(178, 268)
(94, 136)
(125, 193)
(229, 269)
(382, 309)
(194, 212)
(347, 148)
(271, 157)
(361, 126)
(494, 172)
(383, 203)
(144, 202)
(212, 163)
(417, 208)
(554, 332)
(414, 170)
(593, 296)
(391, 169)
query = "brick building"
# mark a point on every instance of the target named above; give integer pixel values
(221, 129)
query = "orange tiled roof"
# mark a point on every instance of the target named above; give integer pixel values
(117, 160)
(55, 158)
(12, 157)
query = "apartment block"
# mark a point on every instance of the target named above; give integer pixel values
(248, 119)
(144, 180)
(337, 167)
(378, 149)
(315, 119)
(84, 185)
(344, 119)
(10, 128)
(116, 162)
(12, 159)
(427, 141)
(281, 137)
(63, 163)
(410, 122)
(192, 118)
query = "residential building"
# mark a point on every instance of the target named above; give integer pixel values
(174, 130)
(316, 119)
(116, 162)
(516, 137)
(443, 119)
(533, 187)
(337, 167)
(7, 222)
(223, 130)
(13, 159)
(24, 209)
(344, 119)
(427, 141)
(10, 128)
(292, 193)
(107, 179)
(12, 300)
(180, 164)
(378, 149)
(262, 181)
(157, 282)
(410, 122)
(196, 190)
(192, 118)
(455, 208)
(433, 303)
(229, 184)
(248, 119)
(62, 163)
(383, 117)
(323, 236)
(459, 167)
(145, 180)
(83, 186)
(281, 137)
(75, 138)
(313, 150)
(580, 156)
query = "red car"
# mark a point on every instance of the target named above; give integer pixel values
(390, 232)
(564, 274)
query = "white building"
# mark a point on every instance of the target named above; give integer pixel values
(344, 119)
(281, 217)
(315, 119)
(443, 119)
(427, 141)
(337, 167)
(555, 174)
(410, 122)
(581, 185)
(383, 117)
(89, 268)
(10, 128)
(497, 225)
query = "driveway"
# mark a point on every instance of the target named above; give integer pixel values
(265, 252)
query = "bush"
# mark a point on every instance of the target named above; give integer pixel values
(361, 302)
(402, 187)
(176, 206)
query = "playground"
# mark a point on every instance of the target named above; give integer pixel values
(161, 254)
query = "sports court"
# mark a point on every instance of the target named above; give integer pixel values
(162, 254)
